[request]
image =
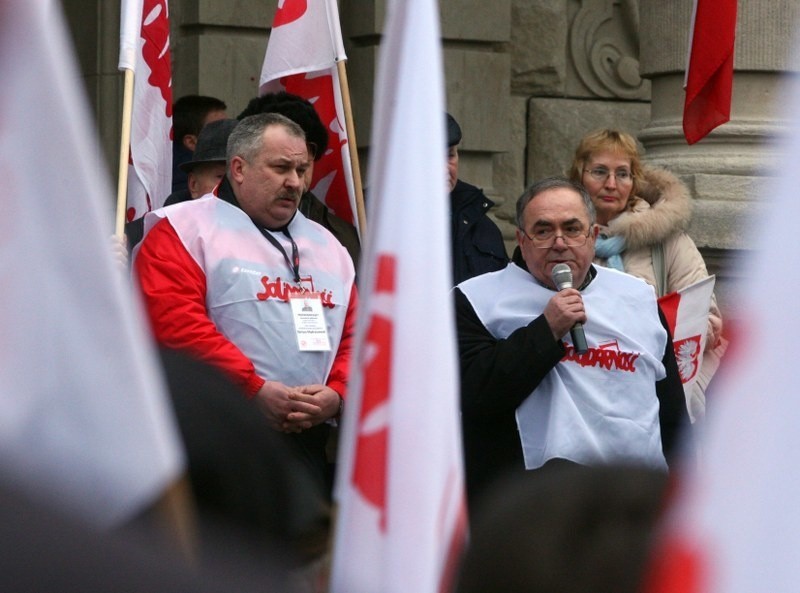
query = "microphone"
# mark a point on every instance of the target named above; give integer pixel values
(562, 278)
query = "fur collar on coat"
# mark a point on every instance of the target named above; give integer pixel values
(662, 208)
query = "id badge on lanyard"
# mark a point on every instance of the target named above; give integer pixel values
(309, 322)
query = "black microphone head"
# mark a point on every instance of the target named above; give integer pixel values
(562, 276)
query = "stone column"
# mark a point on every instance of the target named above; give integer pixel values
(726, 170)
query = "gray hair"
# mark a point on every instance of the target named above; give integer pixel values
(246, 139)
(548, 183)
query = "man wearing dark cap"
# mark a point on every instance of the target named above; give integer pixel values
(207, 166)
(477, 242)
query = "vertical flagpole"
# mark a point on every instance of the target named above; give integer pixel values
(352, 146)
(124, 153)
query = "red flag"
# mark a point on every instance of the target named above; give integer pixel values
(144, 48)
(303, 50)
(709, 75)
(401, 518)
(687, 316)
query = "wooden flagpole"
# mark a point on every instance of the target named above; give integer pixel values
(124, 154)
(353, 147)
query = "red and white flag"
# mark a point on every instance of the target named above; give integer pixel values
(144, 49)
(302, 53)
(85, 423)
(401, 522)
(709, 71)
(687, 316)
(735, 523)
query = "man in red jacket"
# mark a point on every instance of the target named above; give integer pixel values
(226, 278)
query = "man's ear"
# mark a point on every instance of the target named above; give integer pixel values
(236, 167)
(519, 237)
(595, 231)
(190, 141)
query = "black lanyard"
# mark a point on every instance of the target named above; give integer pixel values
(294, 263)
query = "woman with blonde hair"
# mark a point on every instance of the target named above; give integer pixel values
(643, 213)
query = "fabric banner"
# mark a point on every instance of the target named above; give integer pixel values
(85, 423)
(687, 316)
(304, 48)
(734, 525)
(709, 71)
(144, 48)
(401, 521)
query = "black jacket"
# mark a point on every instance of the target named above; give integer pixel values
(477, 242)
(313, 209)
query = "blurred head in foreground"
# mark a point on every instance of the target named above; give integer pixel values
(571, 529)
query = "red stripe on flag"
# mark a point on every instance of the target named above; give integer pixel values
(330, 167)
(370, 471)
(669, 307)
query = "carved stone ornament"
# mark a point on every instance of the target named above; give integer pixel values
(604, 47)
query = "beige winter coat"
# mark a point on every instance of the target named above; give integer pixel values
(660, 215)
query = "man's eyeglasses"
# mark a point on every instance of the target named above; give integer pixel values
(601, 174)
(545, 238)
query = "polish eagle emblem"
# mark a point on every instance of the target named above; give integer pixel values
(687, 353)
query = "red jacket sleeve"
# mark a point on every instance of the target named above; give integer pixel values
(174, 291)
(340, 371)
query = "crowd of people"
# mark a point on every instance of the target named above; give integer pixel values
(249, 276)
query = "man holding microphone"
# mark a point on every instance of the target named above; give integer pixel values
(556, 374)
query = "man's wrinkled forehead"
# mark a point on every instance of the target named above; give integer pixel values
(286, 149)
(290, 158)
(554, 208)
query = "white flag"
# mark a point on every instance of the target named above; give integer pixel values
(400, 484)
(304, 47)
(735, 524)
(686, 312)
(144, 48)
(84, 421)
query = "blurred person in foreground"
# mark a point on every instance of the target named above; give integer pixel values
(256, 520)
(643, 213)
(254, 500)
(566, 530)
(528, 397)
